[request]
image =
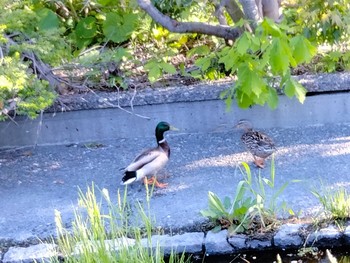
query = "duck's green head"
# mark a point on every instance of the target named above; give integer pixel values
(162, 127)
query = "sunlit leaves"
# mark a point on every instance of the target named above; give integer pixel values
(257, 59)
(156, 68)
(243, 44)
(250, 80)
(21, 91)
(294, 88)
(227, 57)
(270, 28)
(303, 51)
(278, 57)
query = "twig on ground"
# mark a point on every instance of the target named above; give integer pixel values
(120, 107)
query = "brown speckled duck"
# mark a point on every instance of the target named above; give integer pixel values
(258, 144)
(150, 161)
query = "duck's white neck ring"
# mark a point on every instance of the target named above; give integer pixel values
(161, 141)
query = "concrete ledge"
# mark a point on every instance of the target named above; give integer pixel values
(195, 117)
(216, 243)
(35, 253)
(289, 236)
(317, 83)
(326, 237)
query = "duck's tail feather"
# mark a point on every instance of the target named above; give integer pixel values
(129, 177)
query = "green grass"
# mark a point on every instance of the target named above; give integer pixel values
(251, 208)
(105, 235)
(335, 202)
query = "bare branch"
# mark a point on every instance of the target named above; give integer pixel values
(172, 25)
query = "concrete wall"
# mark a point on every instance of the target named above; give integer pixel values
(190, 117)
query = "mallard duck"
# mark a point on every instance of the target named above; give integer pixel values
(150, 161)
(258, 143)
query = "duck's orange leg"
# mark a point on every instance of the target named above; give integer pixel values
(153, 180)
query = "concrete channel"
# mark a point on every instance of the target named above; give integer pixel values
(313, 140)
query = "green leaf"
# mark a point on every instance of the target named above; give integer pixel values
(227, 202)
(303, 50)
(86, 27)
(249, 80)
(204, 63)
(270, 28)
(300, 92)
(228, 58)
(255, 43)
(47, 19)
(289, 88)
(243, 100)
(83, 42)
(272, 99)
(278, 58)
(294, 88)
(154, 74)
(118, 28)
(209, 213)
(169, 68)
(215, 203)
(240, 190)
(200, 50)
(243, 44)
(228, 102)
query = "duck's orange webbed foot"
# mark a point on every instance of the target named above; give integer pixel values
(154, 181)
(259, 162)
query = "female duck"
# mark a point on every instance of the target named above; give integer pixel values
(150, 161)
(258, 144)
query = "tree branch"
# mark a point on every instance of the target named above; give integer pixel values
(233, 10)
(172, 25)
(251, 11)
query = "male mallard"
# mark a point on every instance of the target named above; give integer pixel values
(258, 144)
(150, 161)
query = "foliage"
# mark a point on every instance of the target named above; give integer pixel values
(320, 21)
(332, 61)
(267, 205)
(53, 32)
(97, 235)
(123, 43)
(250, 205)
(336, 202)
(93, 22)
(172, 7)
(234, 215)
(326, 24)
(21, 91)
(261, 62)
